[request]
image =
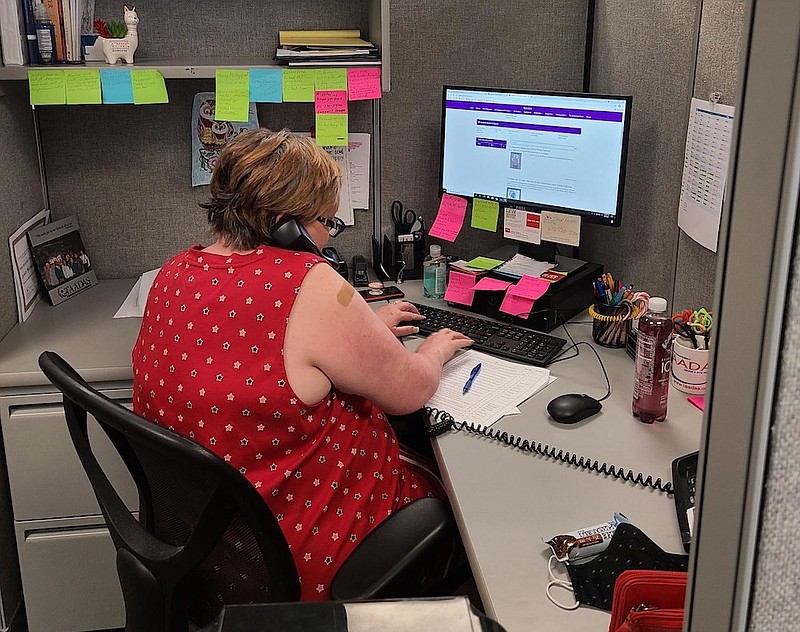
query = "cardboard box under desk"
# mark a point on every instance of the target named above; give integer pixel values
(563, 300)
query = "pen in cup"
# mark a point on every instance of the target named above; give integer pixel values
(472, 375)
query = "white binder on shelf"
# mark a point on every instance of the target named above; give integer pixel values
(12, 33)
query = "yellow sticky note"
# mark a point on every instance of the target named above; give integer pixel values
(233, 95)
(83, 86)
(47, 87)
(148, 87)
(298, 85)
(484, 214)
(331, 130)
(330, 79)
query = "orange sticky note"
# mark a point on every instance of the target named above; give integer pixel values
(330, 102)
(450, 218)
(460, 288)
(363, 83)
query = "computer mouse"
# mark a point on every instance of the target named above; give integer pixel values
(572, 408)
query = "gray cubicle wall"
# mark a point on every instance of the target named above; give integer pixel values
(530, 44)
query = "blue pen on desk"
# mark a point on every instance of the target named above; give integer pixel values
(472, 375)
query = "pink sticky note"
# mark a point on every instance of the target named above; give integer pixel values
(516, 305)
(488, 283)
(530, 287)
(330, 102)
(363, 83)
(460, 288)
(698, 400)
(450, 218)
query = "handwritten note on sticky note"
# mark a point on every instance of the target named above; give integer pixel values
(117, 86)
(148, 87)
(530, 287)
(47, 87)
(330, 101)
(490, 284)
(331, 130)
(298, 86)
(266, 85)
(485, 214)
(561, 228)
(516, 305)
(232, 94)
(363, 83)
(330, 79)
(460, 288)
(450, 218)
(83, 87)
(484, 263)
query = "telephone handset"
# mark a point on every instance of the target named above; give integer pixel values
(292, 235)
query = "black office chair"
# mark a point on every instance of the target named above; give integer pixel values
(205, 537)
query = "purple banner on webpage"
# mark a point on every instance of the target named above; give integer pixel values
(530, 126)
(535, 110)
(490, 142)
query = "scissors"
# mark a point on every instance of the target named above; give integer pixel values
(402, 217)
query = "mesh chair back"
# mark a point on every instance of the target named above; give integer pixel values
(204, 537)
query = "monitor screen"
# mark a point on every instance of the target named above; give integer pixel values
(553, 151)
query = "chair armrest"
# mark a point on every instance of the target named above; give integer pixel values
(407, 555)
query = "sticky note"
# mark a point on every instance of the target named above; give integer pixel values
(148, 87)
(363, 83)
(561, 228)
(697, 400)
(485, 214)
(298, 86)
(484, 263)
(83, 87)
(47, 87)
(519, 306)
(117, 85)
(330, 101)
(450, 218)
(460, 288)
(330, 79)
(529, 287)
(232, 95)
(266, 85)
(490, 284)
(331, 130)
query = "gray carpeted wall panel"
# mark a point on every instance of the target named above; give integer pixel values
(717, 70)
(20, 185)
(533, 44)
(645, 48)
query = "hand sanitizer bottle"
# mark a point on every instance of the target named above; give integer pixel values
(434, 273)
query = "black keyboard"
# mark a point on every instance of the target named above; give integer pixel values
(495, 338)
(684, 480)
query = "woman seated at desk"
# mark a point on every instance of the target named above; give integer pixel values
(268, 358)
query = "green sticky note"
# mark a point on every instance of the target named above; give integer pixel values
(148, 87)
(298, 85)
(484, 214)
(331, 130)
(47, 87)
(233, 95)
(83, 87)
(330, 79)
(484, 263)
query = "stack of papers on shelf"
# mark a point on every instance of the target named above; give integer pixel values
(498, 389)
(134, 304)
(520, 265)
(325, 48)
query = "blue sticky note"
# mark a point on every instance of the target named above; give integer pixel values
(266, 85)
(117, 86)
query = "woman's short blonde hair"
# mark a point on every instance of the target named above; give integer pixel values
(261, 175)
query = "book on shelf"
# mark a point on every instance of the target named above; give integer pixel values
(325, 48)
(13, 36)
(331, 39)
(309, 63)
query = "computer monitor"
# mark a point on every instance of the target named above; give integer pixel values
(564, 152)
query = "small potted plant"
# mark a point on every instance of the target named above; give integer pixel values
(119, 39)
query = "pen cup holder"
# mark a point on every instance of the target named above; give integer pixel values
(689, 366)
(611, 324)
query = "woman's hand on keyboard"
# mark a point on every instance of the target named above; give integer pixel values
(443, 344)
(399, 318)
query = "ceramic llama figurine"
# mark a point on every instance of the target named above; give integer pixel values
(116, 48)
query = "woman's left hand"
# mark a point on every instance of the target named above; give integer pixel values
(403, 312)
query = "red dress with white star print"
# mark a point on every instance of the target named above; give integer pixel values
(208, 363)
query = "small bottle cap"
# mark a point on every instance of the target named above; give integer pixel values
(436, 250)
(657, 304)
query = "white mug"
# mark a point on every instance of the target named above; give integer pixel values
(689, 366)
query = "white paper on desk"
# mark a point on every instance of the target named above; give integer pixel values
(135, 302)
(26, 279)
(497, 390)
(520, 265)
(358, 158)
(705, 170)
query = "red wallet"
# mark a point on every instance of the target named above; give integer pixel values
(648, 601)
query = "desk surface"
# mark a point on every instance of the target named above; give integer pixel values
(508, 502)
